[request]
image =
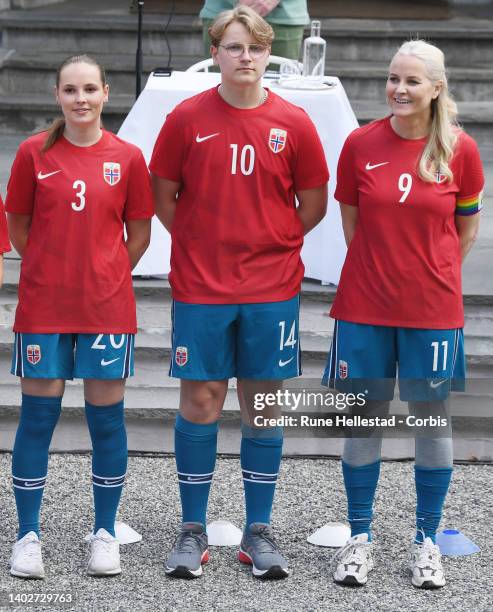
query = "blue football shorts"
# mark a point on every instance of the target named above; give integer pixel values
(220, 341)
(367, 359)
(67, 356)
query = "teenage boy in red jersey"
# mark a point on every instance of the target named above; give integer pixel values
(226, 168)
(4, 239)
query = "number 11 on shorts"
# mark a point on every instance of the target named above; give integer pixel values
(436, 351)
(291, 340)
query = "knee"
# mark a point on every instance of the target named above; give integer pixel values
(203, 402)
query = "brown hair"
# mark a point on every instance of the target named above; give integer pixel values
(56, 128)
(253, 22)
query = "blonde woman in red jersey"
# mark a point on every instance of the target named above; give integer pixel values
(410, 189)
(72, 192)
(4, 239)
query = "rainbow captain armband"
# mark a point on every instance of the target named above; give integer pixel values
(470, 205)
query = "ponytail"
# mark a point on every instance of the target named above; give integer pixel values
(53, 134)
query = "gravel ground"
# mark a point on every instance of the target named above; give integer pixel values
(310, 493)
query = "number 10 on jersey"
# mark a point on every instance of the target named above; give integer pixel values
(247, 159)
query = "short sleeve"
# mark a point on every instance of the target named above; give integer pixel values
(471, 178)
(311, 169)
(4, 236)
(21, 188)
(169, 149)
(139, 203)
(347, 186)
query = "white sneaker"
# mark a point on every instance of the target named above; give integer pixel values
(426, 565)
(354, 561)
(26, 561)
(104, 551)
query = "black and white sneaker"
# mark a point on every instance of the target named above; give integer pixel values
(426, 565)
(353, 561)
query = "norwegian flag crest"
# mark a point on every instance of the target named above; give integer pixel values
(33, 352)
(343, 369)
(111, 173)
(181, 355)
(277, 140)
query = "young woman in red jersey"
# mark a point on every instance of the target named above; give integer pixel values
(4, 238)
(227, 168)
(410, 189)
(72, 192)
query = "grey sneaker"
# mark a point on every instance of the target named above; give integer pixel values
(259, 549)
(189, 552)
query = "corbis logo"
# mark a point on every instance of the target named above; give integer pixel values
(33, 352)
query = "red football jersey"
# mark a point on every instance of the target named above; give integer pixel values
(75, 274)
(403, 266)
(4, 235)
(236, 237)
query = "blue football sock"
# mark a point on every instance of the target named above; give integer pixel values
(431, 489)
(109, 461)
(39, 416)
(260, 455)
(361, 483)
(195, 452)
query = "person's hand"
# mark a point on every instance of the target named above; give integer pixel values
(262, 7)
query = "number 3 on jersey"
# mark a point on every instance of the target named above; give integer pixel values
(80, 188)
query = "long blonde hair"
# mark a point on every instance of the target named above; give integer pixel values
(57, 127)
(444, 130)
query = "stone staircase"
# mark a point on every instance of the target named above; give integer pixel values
(152, 397)
(358, 51)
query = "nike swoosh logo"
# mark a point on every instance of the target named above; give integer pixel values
(113, 482)
(252, 477)
(202, 138)
(283, 363)
(42, 176)
(372, 166)
(434, 384)
(192, 479)
(105, 363)
(33, 484)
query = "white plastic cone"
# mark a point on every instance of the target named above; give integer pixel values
(333, 535)
(223, 533)
(124, 534)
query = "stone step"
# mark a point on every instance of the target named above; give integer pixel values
(475, 117)
(146, 401)
(464, 40)
(365, 80)
(155, 435)
(31, 112)
(24, 72)
(154, 328)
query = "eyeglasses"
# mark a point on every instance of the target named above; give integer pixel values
(254, 50)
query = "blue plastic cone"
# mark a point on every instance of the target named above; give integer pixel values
(453, 543)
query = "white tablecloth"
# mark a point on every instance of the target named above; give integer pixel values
(324, 249)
